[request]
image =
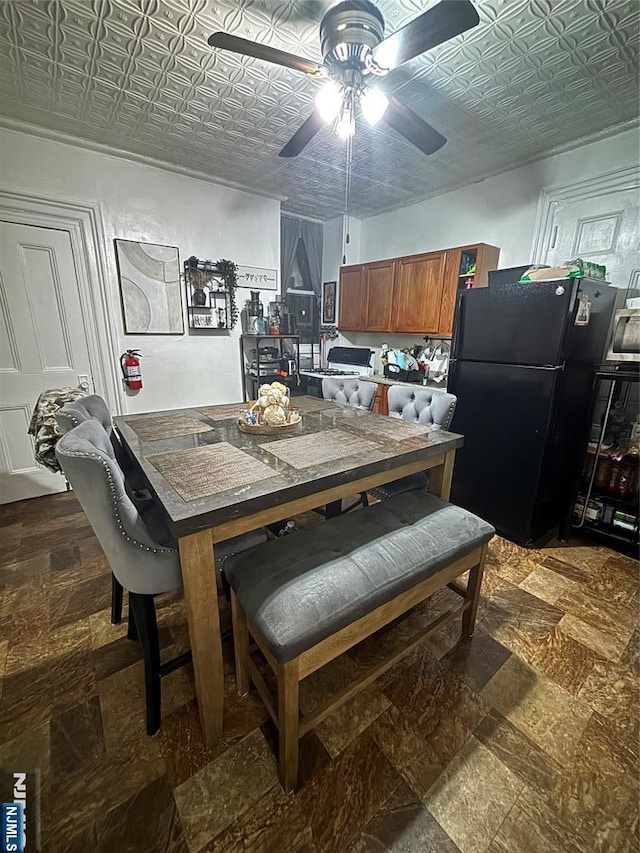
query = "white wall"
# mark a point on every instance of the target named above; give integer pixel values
(152, 205)
(333, 246)
(500, 211)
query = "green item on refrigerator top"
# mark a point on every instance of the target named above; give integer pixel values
(588, 269)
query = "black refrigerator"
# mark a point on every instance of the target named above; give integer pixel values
(521, 367)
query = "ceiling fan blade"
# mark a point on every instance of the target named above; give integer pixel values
(303, 135)
(414, 129)
(438, 24)
(246, 47)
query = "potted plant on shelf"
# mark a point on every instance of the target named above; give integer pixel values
(217, 276)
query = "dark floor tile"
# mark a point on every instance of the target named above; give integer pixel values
(63, 559)
(567, 570)
(17, 573)
(29, 751)
(312, 756)
(595, 801)
(564, 660)
(181, 741)
(531, 827)
(148, 822)
(87, 597)
(520, 754)
(617, 737)
(274, 823)
(225, 789)
(83, 841)
(123, 652)
(83, 798)
(10, 542)
(510, 561)
(610, 617)
(403, 825)
(519, 620)
(616, 580)
(26, 702)
(76, 738)
(419, 759)
(344, 796)
(631, 656)
(477, 659)
(430, 696)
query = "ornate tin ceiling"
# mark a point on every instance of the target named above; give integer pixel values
(138, 75)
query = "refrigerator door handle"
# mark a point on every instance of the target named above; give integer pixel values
(455, 335)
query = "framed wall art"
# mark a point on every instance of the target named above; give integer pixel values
(149, 279)
(328, 303)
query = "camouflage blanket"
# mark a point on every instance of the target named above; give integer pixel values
(43, 426)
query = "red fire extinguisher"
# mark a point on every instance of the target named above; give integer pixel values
(130, 364)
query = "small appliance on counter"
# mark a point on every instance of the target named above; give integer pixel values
(625, 344)
(341, 361)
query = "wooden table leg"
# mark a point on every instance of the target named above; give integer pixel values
(440, 477)
(201, 599)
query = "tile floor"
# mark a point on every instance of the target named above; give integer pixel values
(522, 740)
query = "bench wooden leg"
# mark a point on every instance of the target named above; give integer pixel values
(240, 646)
(288, 714)
(473, 595)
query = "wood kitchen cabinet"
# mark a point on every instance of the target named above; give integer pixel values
(378, 295)
(482, 258)
(418, 293)
(352, 310)
(414, 294)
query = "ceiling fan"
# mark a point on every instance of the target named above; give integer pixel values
(355, 53)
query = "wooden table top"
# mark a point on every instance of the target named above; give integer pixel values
(204, 478)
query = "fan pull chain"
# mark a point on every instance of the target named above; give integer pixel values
(347, 193)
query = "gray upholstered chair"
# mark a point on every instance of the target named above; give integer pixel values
(93, 406)
(418, 405)
(349, 392)
(142, 553)
(358, 395)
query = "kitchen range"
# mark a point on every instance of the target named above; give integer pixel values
(341, 361)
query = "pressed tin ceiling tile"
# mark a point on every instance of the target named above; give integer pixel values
(138, 75)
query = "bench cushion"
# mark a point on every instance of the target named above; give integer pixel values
(302, 588)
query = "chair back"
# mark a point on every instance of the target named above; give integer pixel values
(72, 414)
(136, 557)
(92, 406)
(421, 405)
(349, 392)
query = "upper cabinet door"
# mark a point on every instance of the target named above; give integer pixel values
(418, 293)
(352, 309)
(378, 287)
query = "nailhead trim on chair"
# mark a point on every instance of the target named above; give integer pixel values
(115, 505)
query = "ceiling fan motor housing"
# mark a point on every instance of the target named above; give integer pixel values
(348, 33)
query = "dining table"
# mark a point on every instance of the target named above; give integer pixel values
(213, 482)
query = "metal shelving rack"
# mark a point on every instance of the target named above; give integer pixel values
(252, 381)
(602, 527)
(215, 314)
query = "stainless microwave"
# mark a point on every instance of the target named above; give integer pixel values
(625, 344)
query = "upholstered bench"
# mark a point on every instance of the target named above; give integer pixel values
(308, 597)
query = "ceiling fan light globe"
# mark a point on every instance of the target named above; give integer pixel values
(329, 101)
(346, 124)
(374, 104)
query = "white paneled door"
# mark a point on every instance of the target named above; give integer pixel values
(604, 229)
(42, 346)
